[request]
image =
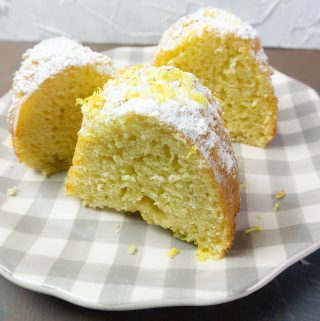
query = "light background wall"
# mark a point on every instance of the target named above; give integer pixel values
(281, 23)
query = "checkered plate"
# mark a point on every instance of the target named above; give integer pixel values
(51, 244)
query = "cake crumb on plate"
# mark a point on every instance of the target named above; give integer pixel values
(117, 228)
(276, 206)
(280, 194)
(132, 249)
(243, 185)
(12, 191)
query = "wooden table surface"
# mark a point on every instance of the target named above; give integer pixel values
(294, 295)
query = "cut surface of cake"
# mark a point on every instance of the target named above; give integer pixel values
(43, 118)
(226, 55)
(152, 141)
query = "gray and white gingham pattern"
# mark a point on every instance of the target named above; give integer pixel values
(50, 243)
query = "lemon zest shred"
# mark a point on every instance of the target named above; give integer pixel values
(253, 229)
(192, 151)
(276, 206)
(173, 252)
(280, 194)
(243, 185)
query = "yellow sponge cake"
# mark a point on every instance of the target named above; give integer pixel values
(153, 141)
(43, 118)
(226, 55)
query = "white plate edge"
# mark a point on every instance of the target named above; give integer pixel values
(69, 297)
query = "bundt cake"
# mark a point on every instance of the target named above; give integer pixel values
(226, 55)
(43, 118)
(153, 141)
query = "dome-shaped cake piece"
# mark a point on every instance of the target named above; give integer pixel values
(43, 118)
(226, 55)
(153, 141)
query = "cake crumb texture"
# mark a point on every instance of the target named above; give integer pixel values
(225, 53)
(153, 141)
(43, 118)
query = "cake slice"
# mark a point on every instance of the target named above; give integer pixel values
(226, 55)
(43, 118)
(153, 141)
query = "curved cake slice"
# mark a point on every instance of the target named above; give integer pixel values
(226, 55)
(43, 118)
(153, 141)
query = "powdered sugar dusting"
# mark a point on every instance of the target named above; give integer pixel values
(199, 122)
(220, 21)
(262, 60)
(48, 58)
